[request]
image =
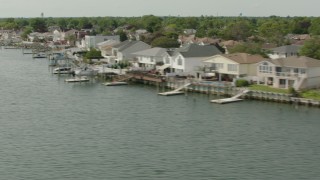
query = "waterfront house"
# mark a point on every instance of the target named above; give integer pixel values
(106, 50)
(284, 51)
(187, 58)
(125, 49)
(92, 41)
(228, 67)
(297, 72)
(106, 47)
(149, 58)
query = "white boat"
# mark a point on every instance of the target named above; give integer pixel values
(171, 93)
(40, 55)
(78, 79)
(85, 72)
(116, 83)
(226, 100)
(63, 70)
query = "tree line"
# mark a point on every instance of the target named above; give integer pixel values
(263, 29)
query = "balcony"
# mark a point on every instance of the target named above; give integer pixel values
(289, 74)
(205, 69)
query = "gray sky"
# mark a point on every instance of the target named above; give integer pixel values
(93, 8)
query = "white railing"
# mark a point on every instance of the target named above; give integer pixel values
(288, 74)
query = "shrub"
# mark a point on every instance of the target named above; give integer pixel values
(242, 83)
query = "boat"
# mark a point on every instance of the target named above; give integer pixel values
(63, 70)
(40, 55)
(171, 93)
(226, 100)
(86, 71)
(78, 79)
(116, 83)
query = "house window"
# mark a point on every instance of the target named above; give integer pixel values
(302, 71)
(151, 59)
(179, 61)
(218, 65)
(265, 68)
(167, 60)
(232, 67)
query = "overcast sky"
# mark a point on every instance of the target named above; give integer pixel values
(128, 8)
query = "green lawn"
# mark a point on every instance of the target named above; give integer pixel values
(311, 94)
(267, 89)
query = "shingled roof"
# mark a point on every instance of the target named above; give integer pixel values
(155, 52)
(244, 58)
(298, 62)
(195, 50)
(286, 49)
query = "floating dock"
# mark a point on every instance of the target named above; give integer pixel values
(176, 91)
(231, 99)
(77, 79)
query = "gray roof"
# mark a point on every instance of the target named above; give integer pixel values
(125, 44)
(295, 61)
(155, 52)
(195, 50)
(286, 49)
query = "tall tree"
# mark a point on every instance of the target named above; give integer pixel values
(151, 23)
(314, 29)
(273, 31)
(165, 42)
(238, 30)
(311, 48)
(38, 25)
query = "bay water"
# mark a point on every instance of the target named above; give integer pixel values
(52, 130)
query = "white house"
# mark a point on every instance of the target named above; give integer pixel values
(125, 49)
(92, 41)
(284, 51)
(297, 72)
(187, 58)
(149, 58)
(232, 66)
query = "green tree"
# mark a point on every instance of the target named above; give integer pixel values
(238, 30)
(314, 29)
(92, 54)
(273, 31)
(250, 48)
(311, 48)
(151, 23)
(165, 42)
(62, 23)
(300, 25)
(38, 25)
(27, 30)
(123, 35)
